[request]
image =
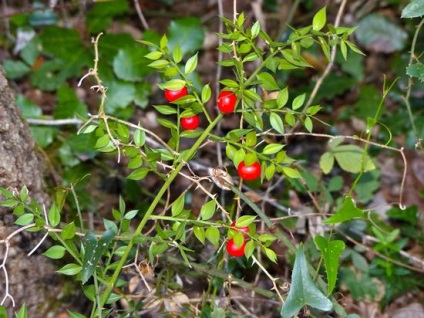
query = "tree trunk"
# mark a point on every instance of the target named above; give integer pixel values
(32, 279)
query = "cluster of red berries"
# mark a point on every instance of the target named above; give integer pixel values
(226, 102)
(232, 248)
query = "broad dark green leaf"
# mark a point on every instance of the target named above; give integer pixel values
(130, 64)
(348, 211)
(414, 9)
(188, 33)
(303, 291)
(93, 251)
(376, 33)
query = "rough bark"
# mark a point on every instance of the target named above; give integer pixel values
(32, 279)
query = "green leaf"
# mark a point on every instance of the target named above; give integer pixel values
(178, 205)
(298, 101)
(267, 81)
(206, 93)
(191, 64)
(199, 232)
(276, 122)
(165, 109)
(416, 70)
(303, 291)
(319, 20)
(155, 55)
(119, 95)
(177, 54)
(331, 252)
(53, 215)
(414, 9)
(349, 158)
(130, 64)
(15, 69)
(348, 211)
(174, 84)
(139, 137)
(68, 231)
(213, 235)
(70, 269)
(68, 104)
(326, 162)
(270, 254)
(282, 97)
(24, 219)
(138, 174)
(256, 28)
(130, 214)
(22, 313)
(55, 252)
(208, 210)
(308, 124)
(378, 34)
(272, 149)
(93, 251)
(291, 173)
(159, 64)
(187, 33)
(245, 220)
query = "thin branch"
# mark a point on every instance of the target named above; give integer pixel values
(331, 62)
(140, 15)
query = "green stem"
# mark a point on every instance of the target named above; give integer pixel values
(410, 82)
(152, 207)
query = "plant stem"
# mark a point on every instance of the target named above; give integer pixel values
(155, 202)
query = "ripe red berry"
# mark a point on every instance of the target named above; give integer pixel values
(190, 123)
(249, 173)
(242, 229)
(233, 250)
(227, 101)
(174, 95)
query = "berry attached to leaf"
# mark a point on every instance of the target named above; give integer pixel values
(190, 123)
(171, 95)
(233, 250)
(249, 173)
(227, 101)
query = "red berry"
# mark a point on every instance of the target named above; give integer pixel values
(233, 250)
(190, 123)
(249, 173)
(227, 101)
(242, 229)
(174, 95)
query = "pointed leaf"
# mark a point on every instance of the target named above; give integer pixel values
(331, 252)
(347, 212)
(303, 291)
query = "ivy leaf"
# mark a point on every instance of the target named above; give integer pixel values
(303, 291)
(416, 70)
(130, 64)
(378, 34)
(347, 212)
(93, 251)
(414, 9)
(187, 33)
(331, 252)
(349, 158)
